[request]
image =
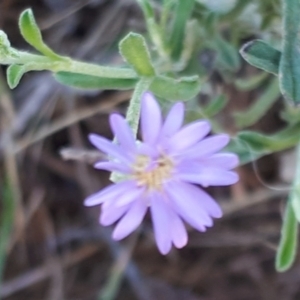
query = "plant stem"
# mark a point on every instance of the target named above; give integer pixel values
(133, 113)
(39, 62)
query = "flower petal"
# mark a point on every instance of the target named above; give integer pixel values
(110, 193)
(173, 120)
(188, 207)
(205, 200)
(208, 146)
(111, 215)
(109, 148)
(122, 132)
(132, 219)
(161, 223)
(225, 161)
(151, 120)
(209, 176)
(127, 198)
(178, 231)
(188, 136)
(112, 167)
(145, 149)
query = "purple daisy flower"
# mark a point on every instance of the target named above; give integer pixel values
(161, 173)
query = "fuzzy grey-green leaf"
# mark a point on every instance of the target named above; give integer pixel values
(134, 50)
(251, 145)
(182, 14)
(6, 222)
(83, 81)
(260, 107)
(261, 55)
(287, 249)
(248, 84)
(228, 57)
(183, 88)
(14, 74)
(215, 106)
(32, 34)
(289, 70)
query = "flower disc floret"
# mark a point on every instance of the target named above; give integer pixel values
(152, 177)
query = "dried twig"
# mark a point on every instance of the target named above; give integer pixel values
(87, 156)
(11, 166)
(41, 273)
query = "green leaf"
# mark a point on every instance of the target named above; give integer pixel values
(295, 192)
(260, 107)
(236, 12)
(228, 57)
(83, 81)
(210, 23)
(182, 14)
(183, 88)
(217, 7)
(287, 249)
(214, 106)
(261, 55)
(189, 47)
(251, 145)
(32, 34)
(290, 114)
(252, 82)
(289, 69)
(134, 50)
(6, 224)
(295, 198)
(14, 74)
(147, 8)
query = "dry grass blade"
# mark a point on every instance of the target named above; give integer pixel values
(11, 167)
(70, 119)
(41, 273)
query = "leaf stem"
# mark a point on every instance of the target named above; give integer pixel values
(134, 108)
(133, 112)
(295, 193)
(39, 62)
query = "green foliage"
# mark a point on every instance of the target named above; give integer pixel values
(289, 70)
(32, 34)
(251, 83)
(182, 14)
(214, 106)
(287, 249)
(134, 50)
(83, 81)
(251, 145)
(147, 8)
(261, 55)
(291, 114)
(6, 224)
(183, 88)
(295, 199)
(165, 87)
(14, 75)
(228, 57)
(220, 7)
(260, 107)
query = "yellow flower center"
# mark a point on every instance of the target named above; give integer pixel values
(154, 177)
